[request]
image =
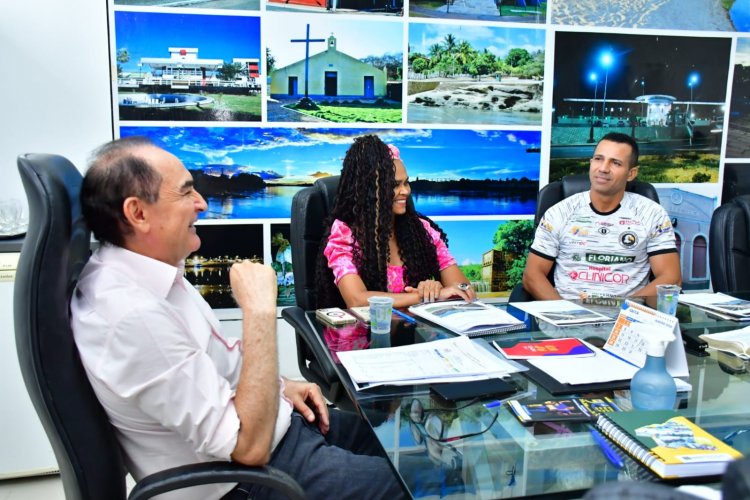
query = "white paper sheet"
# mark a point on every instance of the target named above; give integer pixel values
(453, 359)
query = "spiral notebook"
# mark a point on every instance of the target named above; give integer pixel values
(468, 318)
(667, 443)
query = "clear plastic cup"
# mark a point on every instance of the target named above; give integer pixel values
(667, 298)
(381, 310)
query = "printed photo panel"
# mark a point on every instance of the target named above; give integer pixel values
(668, 92)
(690, 209)
(735, 181)
(253, 173)
(654, 14)
(221, 246)
(194, 4)
(329, 69)
(281, 261)
(376, 7)
(513, 11)
(491, 253)
(738, 135)
(469, 74)
(187, 67)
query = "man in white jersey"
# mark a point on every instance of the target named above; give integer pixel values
(604, 242)
(174, 388)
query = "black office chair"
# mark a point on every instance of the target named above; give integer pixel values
(729, 246)
(310, 207)
(55, 249)
(557, 191)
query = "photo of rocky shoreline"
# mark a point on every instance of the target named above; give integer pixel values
(486, 101)
(477, 75)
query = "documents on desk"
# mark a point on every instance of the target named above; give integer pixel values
(624, 351)
(456, 359)
(562, 312)
(719, 304)
(601, 367)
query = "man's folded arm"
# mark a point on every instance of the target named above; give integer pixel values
(665, 266)
(535, 276)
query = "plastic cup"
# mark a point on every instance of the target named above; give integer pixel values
(381, 309)
(666, 298)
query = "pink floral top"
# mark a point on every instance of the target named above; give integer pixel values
(338, 251)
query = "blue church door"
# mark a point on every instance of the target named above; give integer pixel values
(332, 83)
(369, 86)
(292, 90)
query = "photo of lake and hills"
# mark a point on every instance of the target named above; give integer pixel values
(249, 173)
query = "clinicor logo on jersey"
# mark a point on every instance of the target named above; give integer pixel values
(600, 277)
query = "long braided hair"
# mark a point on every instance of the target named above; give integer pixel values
(364, 202)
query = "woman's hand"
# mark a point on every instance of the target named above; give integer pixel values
(460, 290)
(428, 290)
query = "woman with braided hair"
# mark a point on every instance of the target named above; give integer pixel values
(377, 243)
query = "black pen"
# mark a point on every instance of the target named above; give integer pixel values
(404, 316)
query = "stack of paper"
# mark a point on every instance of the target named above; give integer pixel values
(722, 305)
(736, 342)
(456, 359)
(561, 312)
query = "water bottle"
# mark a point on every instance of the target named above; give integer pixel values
(652, 387)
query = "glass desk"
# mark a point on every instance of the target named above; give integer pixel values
(499, 457)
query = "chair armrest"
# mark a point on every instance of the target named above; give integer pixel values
(215, 472)
(296, 317)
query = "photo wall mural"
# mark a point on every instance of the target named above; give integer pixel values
(488, 100)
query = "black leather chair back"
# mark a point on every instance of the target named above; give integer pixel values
(310, 207)
(557, 191)
(56, 247)
(729, 246)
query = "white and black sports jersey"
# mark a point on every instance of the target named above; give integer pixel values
(603, 254)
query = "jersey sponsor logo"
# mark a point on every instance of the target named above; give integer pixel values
(604, 258)
(605, 223)
(592, 276)
(665, 227)
(629, 222)
(628, 239)
(603, 230)
(546, 225)
(576, 257)
(579, 231)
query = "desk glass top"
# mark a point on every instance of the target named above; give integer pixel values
(502, 458)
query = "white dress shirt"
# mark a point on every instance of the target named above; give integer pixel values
(154, 355)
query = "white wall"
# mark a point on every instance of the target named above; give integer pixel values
(54, 82)
(55, 92)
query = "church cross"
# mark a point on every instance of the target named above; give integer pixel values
(307, 40)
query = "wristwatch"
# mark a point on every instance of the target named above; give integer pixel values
(463, 286)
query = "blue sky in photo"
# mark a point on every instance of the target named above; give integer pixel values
(742, 55)
(497, 40)
(434, 154)
(148, 34)
(468, 240)
(358, 39)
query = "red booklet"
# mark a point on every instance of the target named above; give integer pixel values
(550, 347)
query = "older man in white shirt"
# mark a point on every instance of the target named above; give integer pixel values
(176, 390)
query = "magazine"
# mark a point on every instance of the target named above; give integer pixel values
(724, 305)
(562, 312)
(468, 318)
(566, 410)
